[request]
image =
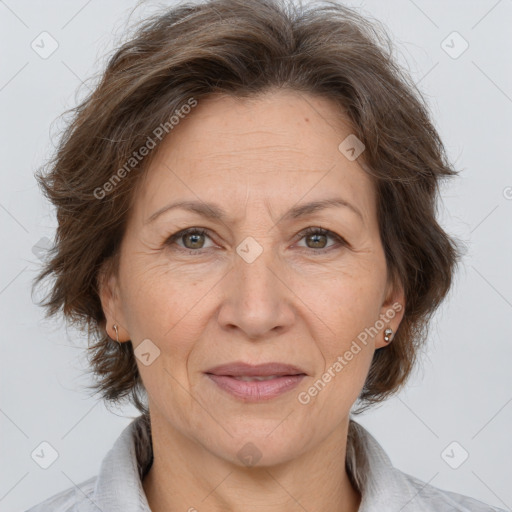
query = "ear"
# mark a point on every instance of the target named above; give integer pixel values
(108, 291)
(391, 312)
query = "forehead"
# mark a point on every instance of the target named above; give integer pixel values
(277, 148)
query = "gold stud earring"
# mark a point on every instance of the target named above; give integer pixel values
(388, 335)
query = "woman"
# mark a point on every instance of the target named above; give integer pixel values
(246, 208)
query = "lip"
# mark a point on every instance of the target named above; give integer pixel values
(256, 391)
(225, 377)
(240, 369)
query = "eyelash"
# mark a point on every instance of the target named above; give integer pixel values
(304, 233)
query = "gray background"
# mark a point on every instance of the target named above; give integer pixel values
(462, 389)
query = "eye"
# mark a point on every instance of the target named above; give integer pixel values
(192, 239)
(318, 238)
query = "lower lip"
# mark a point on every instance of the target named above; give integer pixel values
(256, 390)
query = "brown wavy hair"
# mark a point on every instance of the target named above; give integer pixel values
(243, 48)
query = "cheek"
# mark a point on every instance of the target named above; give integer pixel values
(346, 303)
(161, 311)
(158, 300)
(332, 393)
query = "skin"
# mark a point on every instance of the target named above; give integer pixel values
(302, 301)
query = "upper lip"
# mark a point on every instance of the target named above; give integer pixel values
(241, 369)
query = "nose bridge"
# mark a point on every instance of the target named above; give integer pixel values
(256, 251)
(258, 302)
(256, 266)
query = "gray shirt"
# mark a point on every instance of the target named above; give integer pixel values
(384, 488)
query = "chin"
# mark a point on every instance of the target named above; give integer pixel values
(257, 449)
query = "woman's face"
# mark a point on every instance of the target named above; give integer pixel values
(251, 286)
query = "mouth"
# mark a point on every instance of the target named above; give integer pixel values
(257, 378)
(253, 383)
(241, 369)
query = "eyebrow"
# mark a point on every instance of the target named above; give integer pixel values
(215, 212)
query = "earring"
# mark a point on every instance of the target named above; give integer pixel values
(117, 334)
(388, 335)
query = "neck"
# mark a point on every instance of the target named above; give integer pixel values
(186, 476)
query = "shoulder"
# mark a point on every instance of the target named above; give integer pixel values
(74, 499)
(430, 498)
(381, 482)
(118, 484)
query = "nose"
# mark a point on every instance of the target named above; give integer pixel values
(257, 300)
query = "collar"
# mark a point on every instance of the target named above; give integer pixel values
(118, 487)
(383, 488)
